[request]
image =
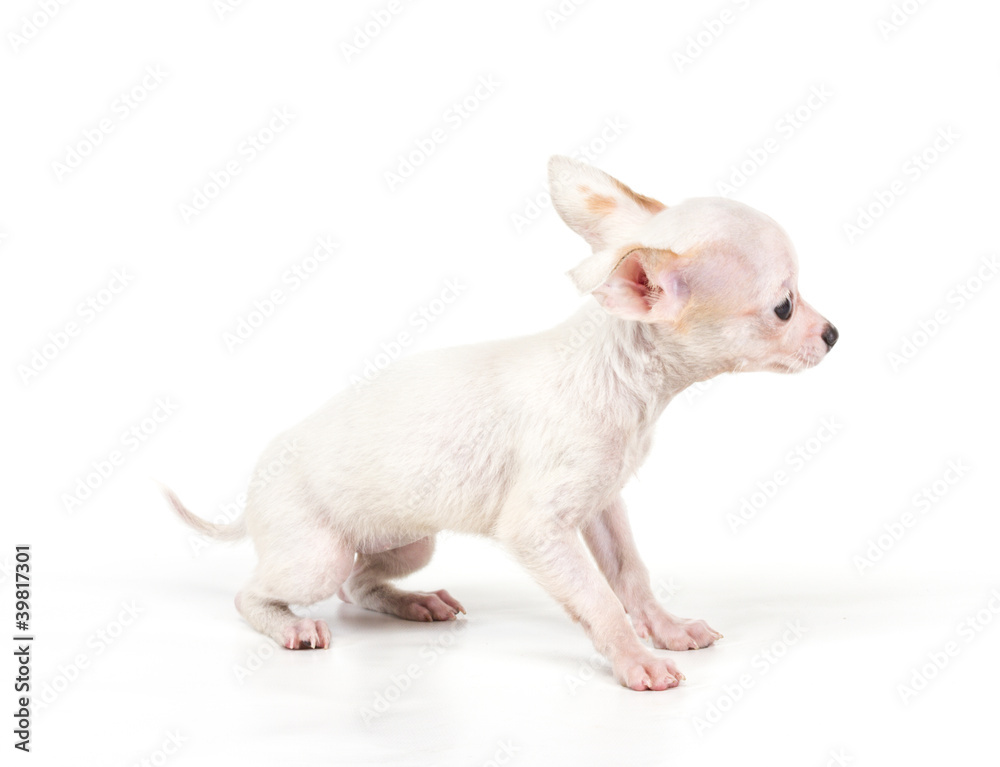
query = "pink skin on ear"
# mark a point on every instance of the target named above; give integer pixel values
(675, 294)
(626, 293)
(633, 294)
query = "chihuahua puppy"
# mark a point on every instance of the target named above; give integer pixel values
(530, 441)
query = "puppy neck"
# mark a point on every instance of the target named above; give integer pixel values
(626, 359)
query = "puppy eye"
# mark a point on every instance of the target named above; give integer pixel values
(784, 309)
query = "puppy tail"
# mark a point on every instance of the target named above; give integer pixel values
(233, 532)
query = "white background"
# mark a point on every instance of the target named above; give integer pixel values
(518, 674)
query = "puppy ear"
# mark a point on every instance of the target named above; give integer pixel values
(646, 286)
(599, 208)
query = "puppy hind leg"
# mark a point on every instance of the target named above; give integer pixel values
(273, 618)
(302, 571)
(369, 585)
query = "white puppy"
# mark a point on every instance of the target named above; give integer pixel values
(531, 440)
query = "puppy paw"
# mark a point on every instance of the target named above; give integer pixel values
(669, 632)
(428, 606)
(305, 634)
(647, 672)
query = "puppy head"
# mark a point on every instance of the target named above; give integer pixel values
(713, 274)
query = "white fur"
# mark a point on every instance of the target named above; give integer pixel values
(531, 440)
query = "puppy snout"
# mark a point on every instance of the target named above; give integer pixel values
(830, 336)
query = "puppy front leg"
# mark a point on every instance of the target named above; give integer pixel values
(559, 562)
(609, 537)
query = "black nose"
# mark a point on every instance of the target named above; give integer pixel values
(830, 336)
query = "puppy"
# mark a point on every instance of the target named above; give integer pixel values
(530, 440)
